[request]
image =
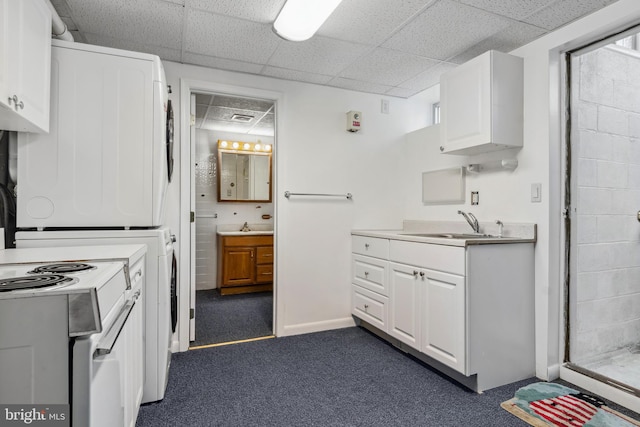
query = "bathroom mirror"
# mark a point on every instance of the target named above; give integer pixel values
(244, 176)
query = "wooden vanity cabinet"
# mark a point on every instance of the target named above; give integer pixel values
(245, 264)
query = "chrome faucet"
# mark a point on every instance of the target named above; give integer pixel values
(472, 220)
(245, 227)
(500, 227)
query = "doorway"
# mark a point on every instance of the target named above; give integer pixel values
(602, 198)
(241, 128)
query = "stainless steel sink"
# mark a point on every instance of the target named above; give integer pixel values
(452, 235)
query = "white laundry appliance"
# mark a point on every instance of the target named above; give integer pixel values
(71, 329)
(108, 157)
(160, 289)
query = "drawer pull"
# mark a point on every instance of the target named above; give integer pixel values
(415, 273)
(366, 306)
(366, 274)
(422, 275)
(366, 246)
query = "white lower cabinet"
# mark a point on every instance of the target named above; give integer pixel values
(444, 318)
(404, 303)
(466, 310)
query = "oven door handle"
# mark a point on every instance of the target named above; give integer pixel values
(105, 346)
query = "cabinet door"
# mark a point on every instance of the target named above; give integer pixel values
(404, 304)
(444, 319)
(238, 266)
(466, 104)
(25, 54)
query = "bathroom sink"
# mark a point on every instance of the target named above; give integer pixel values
(452, 235)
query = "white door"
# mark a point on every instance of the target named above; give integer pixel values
(444, 319)
(404, 310)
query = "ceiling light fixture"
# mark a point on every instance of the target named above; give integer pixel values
(298, 20)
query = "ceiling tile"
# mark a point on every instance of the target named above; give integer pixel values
(318, 55)
(162, 52)
(516, 9)
(221, 63)
(300, 76)
(388, 67)
(142, 21)
(237, 103)
(562, 12)
(252, 10)
(230, 38)
(352, 20)
(446, 29)
(429, 77)
(359, 85)
(510, 38)
(401, 92)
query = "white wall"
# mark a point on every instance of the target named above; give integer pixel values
(506, 195)
(314, 153)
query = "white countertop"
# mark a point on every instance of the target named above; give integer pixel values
(512, 233)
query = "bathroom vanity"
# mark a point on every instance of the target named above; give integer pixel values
(245, 261)
(462, 302)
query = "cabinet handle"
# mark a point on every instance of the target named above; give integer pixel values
(422, 275)
(415, 273)
(17, 105)
(366, 306)
(366, 246)
(366, 274)
(441, 148)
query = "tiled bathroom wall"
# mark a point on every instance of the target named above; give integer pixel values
(607, 161)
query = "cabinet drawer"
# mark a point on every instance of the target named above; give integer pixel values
(370, 273)
(450, 259)
(370, 246)
(369, 307)
(264, 255)
(251, 240)
(264, 273)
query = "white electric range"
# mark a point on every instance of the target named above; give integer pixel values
(71, 331)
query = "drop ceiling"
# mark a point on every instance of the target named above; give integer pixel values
(392, 47)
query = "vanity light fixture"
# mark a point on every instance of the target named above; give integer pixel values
(299, 20)
(244, 146)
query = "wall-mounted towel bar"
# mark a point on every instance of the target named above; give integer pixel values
(288, 194)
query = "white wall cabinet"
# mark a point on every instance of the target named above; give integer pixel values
(466, 309)
(481, 104)
(25, 65)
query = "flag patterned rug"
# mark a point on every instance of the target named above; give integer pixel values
(548, 404)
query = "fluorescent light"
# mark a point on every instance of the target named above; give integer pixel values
(300, 19)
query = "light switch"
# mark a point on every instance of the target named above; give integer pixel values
(536, 193)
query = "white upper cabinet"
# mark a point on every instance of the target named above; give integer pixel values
(481, 105)
(25, 65)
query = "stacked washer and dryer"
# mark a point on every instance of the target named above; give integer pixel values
(100, 176)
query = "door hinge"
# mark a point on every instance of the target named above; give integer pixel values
(192, 216)
(565, 213)
(192, 120)
(192, 313)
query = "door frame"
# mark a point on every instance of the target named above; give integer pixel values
(187, 282)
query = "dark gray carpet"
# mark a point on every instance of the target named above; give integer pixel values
(232, 317)
(346, 377)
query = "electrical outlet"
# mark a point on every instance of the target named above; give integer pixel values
(475, 198)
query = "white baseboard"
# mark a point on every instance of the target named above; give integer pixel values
(325, 325)
(553, 372)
